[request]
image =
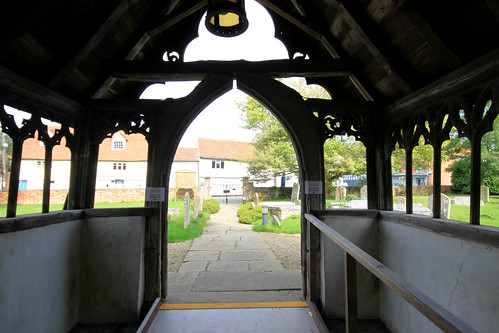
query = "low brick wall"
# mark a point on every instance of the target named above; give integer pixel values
(33, 197)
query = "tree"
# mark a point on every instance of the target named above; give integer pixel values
(422, 157)
(274, 153)
(343, 156)
(458, 149)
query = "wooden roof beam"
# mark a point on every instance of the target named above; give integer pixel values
(90, 45)
(13, 26)
(39, 95)
(371, 46)
(494, 8)
(138, 40)
(198, 70)
(460, 81)
(326, 43)
(447, 56)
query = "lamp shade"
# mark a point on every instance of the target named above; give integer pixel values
(226, 18)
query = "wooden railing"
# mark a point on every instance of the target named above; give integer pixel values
(440, 316)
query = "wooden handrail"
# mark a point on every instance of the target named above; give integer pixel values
(440, 316)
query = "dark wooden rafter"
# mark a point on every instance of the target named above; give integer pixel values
(370, 42)
(464, 79)
(37, 94)
(180, 71)
(443, 51)
(325, 40)
(90, 45)
(494, 8)
(14, 30)
(137, 41)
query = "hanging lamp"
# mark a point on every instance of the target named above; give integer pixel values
(226, 18)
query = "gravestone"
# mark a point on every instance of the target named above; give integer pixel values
(295, 192)
(276, 220)
(197, 207)
(363, 192)
(401, 200)
(187, 210)
(343, 190)
(464, 201)
(445, 203)
(337, 193)
(484, 193)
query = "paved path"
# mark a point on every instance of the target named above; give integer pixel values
(231, 263)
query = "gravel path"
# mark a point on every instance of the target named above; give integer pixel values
(176, 254)
(285, 247)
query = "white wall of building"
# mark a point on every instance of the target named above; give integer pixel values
(134, 175)
(226, 178)
(32, 171)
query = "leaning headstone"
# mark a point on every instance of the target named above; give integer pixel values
(363, 192)
(187, 210)
(484, 193)
(197, 207)
(356, 204)
(253, 205)
(445, 203)
(276, 220)
(337, 193)
(444, 207)
(295, 192)
(401, 200)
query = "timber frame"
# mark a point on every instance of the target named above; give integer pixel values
(397, 71)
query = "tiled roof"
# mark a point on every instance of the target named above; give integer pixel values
(225, 149)
(186, 155)
(136, 150)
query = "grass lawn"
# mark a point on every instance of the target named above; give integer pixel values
(176, 232)
(290, 225)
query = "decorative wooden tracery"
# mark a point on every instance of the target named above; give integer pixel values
(19, 135)
(472, 120)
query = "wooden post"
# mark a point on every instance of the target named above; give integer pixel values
(313, 243)
(351, 312)
(408, 179)
(437, 179)
(46, 178)
(475, 180)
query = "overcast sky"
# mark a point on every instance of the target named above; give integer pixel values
(222, 118)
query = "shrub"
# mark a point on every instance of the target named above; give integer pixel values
(351, 197)
(245, 207)
(211, 206)
(248, 216)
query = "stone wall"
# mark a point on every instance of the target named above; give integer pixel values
(267, 192)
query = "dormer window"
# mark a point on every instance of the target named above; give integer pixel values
(118, 143)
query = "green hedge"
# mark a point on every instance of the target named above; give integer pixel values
(248, 215)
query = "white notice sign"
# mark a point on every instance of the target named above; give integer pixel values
(313, 187)
(155, 194)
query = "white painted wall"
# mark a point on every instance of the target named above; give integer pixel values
(34, 173)
(460, 275)
(111, 269)
(363, 233)
(232, 169)
(39, 279)
(134, 176)
(55, 276)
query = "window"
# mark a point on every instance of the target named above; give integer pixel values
(118, 145)
(217, 164)
(40, 164)
(119, 166)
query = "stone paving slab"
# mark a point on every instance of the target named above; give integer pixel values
(266, 266)
(251, 245)
(202, 255)
(240, 281)
(228, 266)
(193, 266)
(207, 244)
(265, 254)
(181, 282)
